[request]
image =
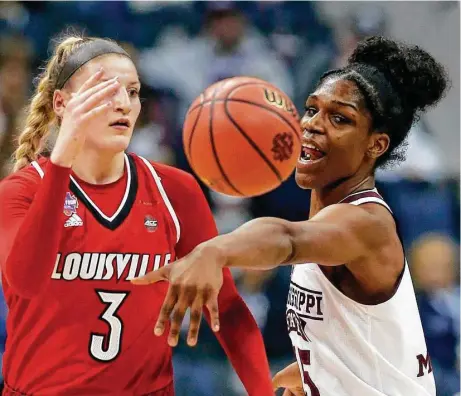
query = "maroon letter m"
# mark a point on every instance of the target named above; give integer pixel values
(424, 363)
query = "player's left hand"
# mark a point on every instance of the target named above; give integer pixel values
(195, 281)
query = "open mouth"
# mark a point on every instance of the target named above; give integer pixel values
(121, 124)
(310, 153)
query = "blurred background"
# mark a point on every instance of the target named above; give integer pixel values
(182, 47)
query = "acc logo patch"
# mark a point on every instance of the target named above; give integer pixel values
(150, 223)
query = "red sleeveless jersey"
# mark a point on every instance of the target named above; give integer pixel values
(90, 332)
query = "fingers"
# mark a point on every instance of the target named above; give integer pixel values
(176, 321)
(96, 111)
(195, 320)
(186, 296)
(92, 81)
(288, 393)
(162, 274)
(212, 305)
(98, 93)
(165, 311)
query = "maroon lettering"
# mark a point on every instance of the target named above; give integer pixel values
(424, 362)
(305, 357)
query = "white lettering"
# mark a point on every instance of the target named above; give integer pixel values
(109, 266)
(56, 274)
(89, 265)
(122, 262)
(71, 266)
(101, 265)
(133, 267)
(144, 263)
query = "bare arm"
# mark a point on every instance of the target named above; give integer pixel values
(340, 234)
(337, 235)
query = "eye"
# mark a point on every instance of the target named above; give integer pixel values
(133, 92)
(311, 111)
(339, 119)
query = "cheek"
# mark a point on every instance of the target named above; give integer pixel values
(136, 109)
(350, 148)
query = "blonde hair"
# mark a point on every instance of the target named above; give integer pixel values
(41, 116)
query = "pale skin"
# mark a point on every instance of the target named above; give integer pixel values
(103, 91)
(358, 242)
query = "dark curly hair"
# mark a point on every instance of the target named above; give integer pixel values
(398, 82)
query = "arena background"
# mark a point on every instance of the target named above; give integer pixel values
(289, 44)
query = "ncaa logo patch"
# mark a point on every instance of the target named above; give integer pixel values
(70, 204)
(150, 223)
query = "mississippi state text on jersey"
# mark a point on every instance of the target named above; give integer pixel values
(345, 348)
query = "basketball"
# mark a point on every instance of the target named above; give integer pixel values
(241, 136)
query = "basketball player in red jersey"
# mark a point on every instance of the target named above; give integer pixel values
(351, 312)
(76, 227)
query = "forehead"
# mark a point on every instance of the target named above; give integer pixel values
(336, 88)
(114, 66)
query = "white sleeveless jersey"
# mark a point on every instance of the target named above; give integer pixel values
(344, 348)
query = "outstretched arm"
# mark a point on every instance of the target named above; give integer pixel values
(339, 234)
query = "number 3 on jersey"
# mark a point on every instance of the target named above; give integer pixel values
(106, 347)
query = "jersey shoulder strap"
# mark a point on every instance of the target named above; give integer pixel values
(366, 196)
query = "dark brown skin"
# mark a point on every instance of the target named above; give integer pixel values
(357, 246)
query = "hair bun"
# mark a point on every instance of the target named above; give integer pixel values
(417, 77)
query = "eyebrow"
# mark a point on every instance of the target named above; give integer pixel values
(339, 102)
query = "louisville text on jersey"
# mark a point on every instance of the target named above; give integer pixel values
(105, 266)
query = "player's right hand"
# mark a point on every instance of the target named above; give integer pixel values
(290, 379)
(83, 114)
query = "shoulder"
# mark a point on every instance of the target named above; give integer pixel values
(372, 222)
(24, 181)
(177, 183)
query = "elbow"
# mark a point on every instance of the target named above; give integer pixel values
(289, 244)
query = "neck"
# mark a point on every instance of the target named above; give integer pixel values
(94, 167)
(321, 198)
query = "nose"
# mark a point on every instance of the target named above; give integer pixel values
(121, 100)
(314, 124)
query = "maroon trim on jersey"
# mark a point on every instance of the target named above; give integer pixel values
(133, 189)
(360, 195)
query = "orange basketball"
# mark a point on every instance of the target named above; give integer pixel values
(241, 136)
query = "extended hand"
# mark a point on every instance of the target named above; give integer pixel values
(195, 281)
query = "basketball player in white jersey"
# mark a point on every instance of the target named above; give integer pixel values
(351, 312)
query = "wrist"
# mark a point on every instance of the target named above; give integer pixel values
(214, 251)
(64, 163)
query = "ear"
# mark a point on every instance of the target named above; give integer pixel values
(378, 145)
(60, 99)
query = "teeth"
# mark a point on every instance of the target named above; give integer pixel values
(311, 147)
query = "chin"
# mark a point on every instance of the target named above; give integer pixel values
(115, 143)
(304, 181)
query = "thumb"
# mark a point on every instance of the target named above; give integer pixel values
(162, 274)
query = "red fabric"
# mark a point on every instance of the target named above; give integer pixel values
(167, 391)
(239, 335)
(59, 282)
